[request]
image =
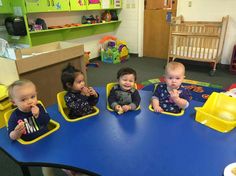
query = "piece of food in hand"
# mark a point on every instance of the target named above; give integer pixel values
(120, 111)
(91, 91)
(35, 111)
(85, 91)
(21, 125)
(234, 171)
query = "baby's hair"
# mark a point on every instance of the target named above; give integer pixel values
(68, 76)
(17, 83)
(173, 66)
(126, 71)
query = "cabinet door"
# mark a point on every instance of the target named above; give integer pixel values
(59, 5)
(47, 5)
(37, 5)
(93, 4)
(5, 7)
(156, 34)
(78, 5)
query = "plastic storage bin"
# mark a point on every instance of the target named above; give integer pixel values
(5, 104)
(218, 112)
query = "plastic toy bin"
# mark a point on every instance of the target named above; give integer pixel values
(218, 112)
(5, 104)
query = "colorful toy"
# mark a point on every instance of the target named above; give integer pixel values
(113, 50)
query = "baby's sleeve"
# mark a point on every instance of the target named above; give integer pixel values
(93, 100)
(136, 99)
(156, 92)
(185, 94)
(12, 122)
(44, 117)
(112, 98)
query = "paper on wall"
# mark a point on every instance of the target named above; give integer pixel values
(117, 4)
(105, 4)
(17, 11)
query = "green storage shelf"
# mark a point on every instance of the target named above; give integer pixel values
(68, 33)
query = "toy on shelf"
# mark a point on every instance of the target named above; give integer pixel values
(90, 19)
(106, 16)
(113, 50)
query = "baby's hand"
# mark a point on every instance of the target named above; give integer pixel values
(35, 111)
(174, 94)
(85, 91)
(158, 109)
(119, 109)
(92, 92)
(20, 128)
(126, 108)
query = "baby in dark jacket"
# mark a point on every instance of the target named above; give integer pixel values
(79, 98)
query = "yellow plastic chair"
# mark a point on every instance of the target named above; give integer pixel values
(52, 126)
(167, 113)
(108, 89)
(63, 109)
(5, 104)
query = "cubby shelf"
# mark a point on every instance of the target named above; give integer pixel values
(67, 33)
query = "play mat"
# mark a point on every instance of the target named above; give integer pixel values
(199, 90)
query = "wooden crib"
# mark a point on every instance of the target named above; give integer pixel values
(197, 40)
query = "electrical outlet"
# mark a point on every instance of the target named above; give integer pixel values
(133, 5)
(127, 5)
(189, 3)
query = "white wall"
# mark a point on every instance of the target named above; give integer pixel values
(128, 29)
(213, 10)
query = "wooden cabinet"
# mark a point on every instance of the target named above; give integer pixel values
(46, 5)
(78, 5)
(5, 7)
(157, 17)
(42, 61)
